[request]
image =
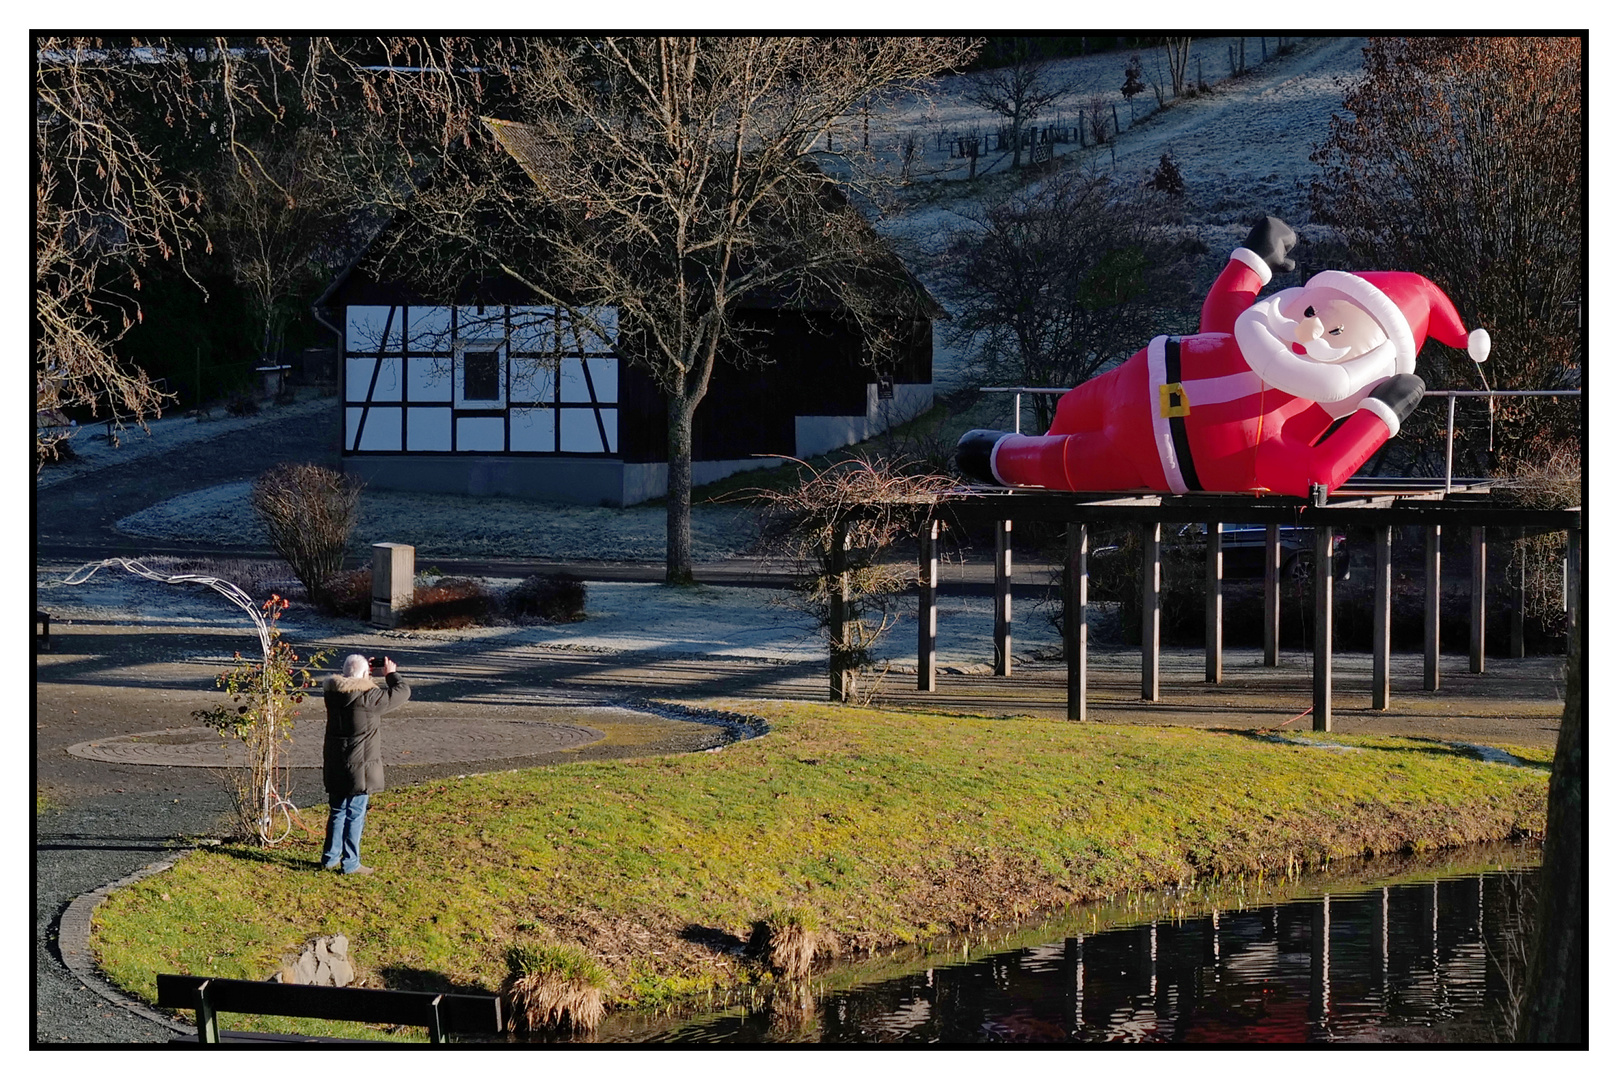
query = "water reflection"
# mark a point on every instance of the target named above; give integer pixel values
(1404, 963)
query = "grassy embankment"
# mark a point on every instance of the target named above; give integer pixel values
(886, 827)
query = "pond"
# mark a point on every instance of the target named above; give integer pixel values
(1414, 959)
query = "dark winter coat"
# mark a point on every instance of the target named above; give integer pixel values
(353, 750)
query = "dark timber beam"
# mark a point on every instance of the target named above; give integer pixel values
(1272, 595)
(927, 609)
(1151, 606)
(1480, 580)
(1002, 597)
(1075, 605)
(1323, 583)
(842, 679)
(1382, 617)
(1517, 648)
(1431, 611)
(1213, 628)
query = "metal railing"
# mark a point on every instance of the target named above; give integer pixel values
(1017, 392)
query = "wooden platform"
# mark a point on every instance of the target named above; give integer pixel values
(1380, 503)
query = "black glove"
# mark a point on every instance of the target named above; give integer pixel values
(973, 452)
(1401, 393)
(1271, 240)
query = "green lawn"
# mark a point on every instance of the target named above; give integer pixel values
(887, 827)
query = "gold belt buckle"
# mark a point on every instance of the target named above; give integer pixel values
(1171, 400)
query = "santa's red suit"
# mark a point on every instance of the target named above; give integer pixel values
(1232, 408)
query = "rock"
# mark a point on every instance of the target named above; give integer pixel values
(339, 946)
(342, 973)
(306, 968)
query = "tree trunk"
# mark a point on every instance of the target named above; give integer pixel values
(1556, 999)
(682, 407)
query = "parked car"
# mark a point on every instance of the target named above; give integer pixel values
(1243, 550)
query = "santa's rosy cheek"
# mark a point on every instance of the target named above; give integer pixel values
(1299, 349)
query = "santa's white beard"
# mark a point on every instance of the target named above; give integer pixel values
(1265, 337)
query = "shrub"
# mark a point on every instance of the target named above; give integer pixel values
(347, 594)
(553, 988)
(309, 512)
(552, 597)
(1167, 178)
(452, 604)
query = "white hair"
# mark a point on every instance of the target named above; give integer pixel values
(355, 666)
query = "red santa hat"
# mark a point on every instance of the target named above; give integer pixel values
(1409, 308)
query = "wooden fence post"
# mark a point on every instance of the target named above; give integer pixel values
(1151, 606)
(1076, 600)
(1382, 617)
(1323, 588)
(841, 677)
(1272, 595)
(1480, 582)
(1432, 609)
(1002, 597)
(927, 610)
(1213, 627)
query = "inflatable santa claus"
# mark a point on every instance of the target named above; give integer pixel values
(1243, 405)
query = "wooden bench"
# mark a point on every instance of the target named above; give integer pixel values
(42, 631)
(443, 1015)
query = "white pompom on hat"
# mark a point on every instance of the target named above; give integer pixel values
(1409, 308)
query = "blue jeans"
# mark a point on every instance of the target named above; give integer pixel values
(343, 828)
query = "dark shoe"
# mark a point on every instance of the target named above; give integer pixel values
(974, 452)
(359, 870)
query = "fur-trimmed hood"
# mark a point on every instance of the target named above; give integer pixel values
(343, 684)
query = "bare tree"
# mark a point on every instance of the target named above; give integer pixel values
(275, 217)
(1049, 286)
(117, 125)
(1463, 158)
(665, 180)
(1177, 50)
(1020, 90)
(104, 208)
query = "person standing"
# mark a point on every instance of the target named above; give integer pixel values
(352, 762)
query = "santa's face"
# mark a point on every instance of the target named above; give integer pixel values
(1316, 343)
(1333, 329)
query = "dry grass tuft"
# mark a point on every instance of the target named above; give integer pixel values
(788, 940)
(553, 989)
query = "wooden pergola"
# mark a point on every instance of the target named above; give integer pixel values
(1380, 504)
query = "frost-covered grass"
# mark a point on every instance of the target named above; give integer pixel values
(94, 451)
(456, 526)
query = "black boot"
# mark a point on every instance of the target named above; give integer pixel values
(973, 452)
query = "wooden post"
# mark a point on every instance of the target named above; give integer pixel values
(1429, 680)
(1002, 598)
(1323, 583)
(1519, 598)
(927, 609)
(1272, 595)
(1151, 605)
(841, 677)
(1382, 617)
(1480, 578)
(1075, 603)
(1213, 627)
(207, 1019)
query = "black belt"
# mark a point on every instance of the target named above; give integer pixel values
(1182, 442)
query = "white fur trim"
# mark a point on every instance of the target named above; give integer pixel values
(994, 452)
(1383, 412)
(1477, 345)
(1381, 308)
(1253, 263)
